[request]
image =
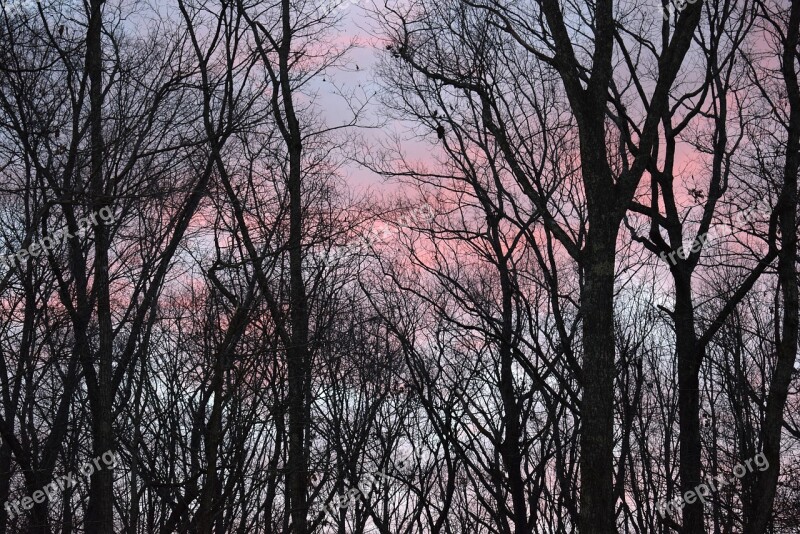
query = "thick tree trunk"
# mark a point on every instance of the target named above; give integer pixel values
(5, 483)
(40, 518)
(297, 353)
(689, 360)
(597, 403)
(207, 511)
(100, 512)
(787, 274)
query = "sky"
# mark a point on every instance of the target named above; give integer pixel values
(359, 75)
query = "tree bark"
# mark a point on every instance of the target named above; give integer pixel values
(297, 352)
(689, 360)
(772, 427)
(99, 512)
(597, 403)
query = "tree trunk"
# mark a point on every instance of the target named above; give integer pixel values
(297, 355)
(510, 449)
(207, 511)
(689, 360)
(597, 403)
(787, 275)
(100, 512)
(297, 352)
(5, 483)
